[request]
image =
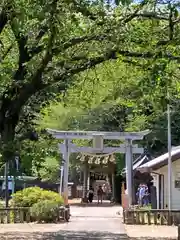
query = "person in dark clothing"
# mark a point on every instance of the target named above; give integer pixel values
(90, 195)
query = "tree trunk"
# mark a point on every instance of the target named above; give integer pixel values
(7, 136)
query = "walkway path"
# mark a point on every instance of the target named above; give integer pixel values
(93, 223)
(100, 222)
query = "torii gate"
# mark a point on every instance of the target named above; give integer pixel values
(98, 147)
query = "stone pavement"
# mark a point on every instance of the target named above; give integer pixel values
(94, 223)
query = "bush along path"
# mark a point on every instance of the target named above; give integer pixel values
(35, 205)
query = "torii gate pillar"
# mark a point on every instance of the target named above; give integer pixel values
(129, 170)
(66, 154)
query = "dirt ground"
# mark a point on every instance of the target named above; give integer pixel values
(151, 232)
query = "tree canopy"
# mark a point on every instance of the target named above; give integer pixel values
(130, 93)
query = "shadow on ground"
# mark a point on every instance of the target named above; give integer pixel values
(62, 235)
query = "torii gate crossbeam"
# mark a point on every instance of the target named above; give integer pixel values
(127, 148)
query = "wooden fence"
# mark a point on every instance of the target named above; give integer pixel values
(14, 215)
(22, 215)
(157, 217)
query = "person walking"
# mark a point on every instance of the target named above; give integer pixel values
(146, 196)
(141, 194)
(100, 194)
(90, 195)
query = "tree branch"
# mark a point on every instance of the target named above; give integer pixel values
(67, 72)
(12, 101)
(3, 20)
(171, 25)
(78, 40)
(151, 15)
(5, 15)
(36, 49)
(92, 62)
(25, 55)
(106, 34)
(36, 81)
(23, 52)
(133, 15)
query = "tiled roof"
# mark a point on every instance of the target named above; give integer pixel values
(162, 160)
(138, 162)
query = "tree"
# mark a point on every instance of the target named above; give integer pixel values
(34, 60)
(45, 44)
(65, 38)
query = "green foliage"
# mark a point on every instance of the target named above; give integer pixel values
(108, 65)
(45, 211)
(93, 104)
(49, 170)
(1, 204)
(120, 163)
(35, 156)
(119, 97)
(32, 195)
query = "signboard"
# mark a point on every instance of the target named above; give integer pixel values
(10, 185)
(97, 176)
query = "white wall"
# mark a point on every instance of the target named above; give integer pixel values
(175, 191)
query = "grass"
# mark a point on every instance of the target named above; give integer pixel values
(146, 208)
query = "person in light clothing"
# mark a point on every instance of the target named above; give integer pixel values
(100, 194)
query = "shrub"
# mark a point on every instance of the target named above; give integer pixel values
(45, 211)
(2, 205)
(29, 196)
(50, 195)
